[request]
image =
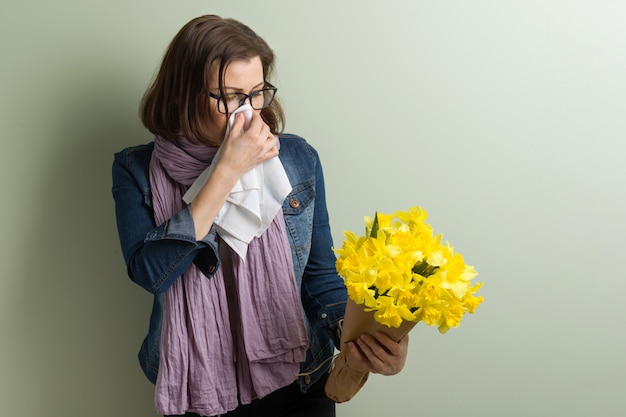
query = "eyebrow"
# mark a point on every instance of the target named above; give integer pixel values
(256, 87)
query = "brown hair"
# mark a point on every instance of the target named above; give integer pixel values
(175, 103)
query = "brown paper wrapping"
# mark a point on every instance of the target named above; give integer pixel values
(346, 376)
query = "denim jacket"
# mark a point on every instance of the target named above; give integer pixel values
(156, 255)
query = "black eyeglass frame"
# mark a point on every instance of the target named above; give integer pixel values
(267, 87)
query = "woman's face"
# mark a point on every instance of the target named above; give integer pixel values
(239, 77)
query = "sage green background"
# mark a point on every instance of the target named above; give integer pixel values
(504, 119)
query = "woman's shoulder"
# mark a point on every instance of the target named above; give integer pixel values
(291, 140)
(135, 151)
(294, 146)
(135, 155)
(133, 164)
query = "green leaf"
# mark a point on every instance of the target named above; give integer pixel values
(422, 268)
(374, 232)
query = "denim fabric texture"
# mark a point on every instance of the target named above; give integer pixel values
(156, 255)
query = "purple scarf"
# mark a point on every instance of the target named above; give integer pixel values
(197, 372)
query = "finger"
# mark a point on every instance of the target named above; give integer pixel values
(259, 134)
(355, 351)
(256, 124)
(404, 342)
(238, 124)
(272, 141)
(372, 351)
(358, 357)
(388, 343)
(376, 347)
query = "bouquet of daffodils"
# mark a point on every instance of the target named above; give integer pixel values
(397, 274)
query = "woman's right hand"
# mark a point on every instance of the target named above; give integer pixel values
(243, 150)
(240, 152)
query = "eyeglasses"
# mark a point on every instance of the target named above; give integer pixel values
(259, 99)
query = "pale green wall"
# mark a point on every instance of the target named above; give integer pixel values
(504, 119)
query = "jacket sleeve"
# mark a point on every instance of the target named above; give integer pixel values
(155, 255)
(322, 288)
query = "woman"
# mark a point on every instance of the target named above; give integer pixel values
(239, 326)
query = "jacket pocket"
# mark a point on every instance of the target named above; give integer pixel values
(300, 198)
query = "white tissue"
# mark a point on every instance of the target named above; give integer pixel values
(253, 202)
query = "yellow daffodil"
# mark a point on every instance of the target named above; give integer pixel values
(389, 313)
(430, 315)
(361, 293)
(471, 302)
(401, 271)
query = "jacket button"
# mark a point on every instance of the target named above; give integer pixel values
(307, 379)
(294, 203)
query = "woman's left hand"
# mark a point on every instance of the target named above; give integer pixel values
(380, 354)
